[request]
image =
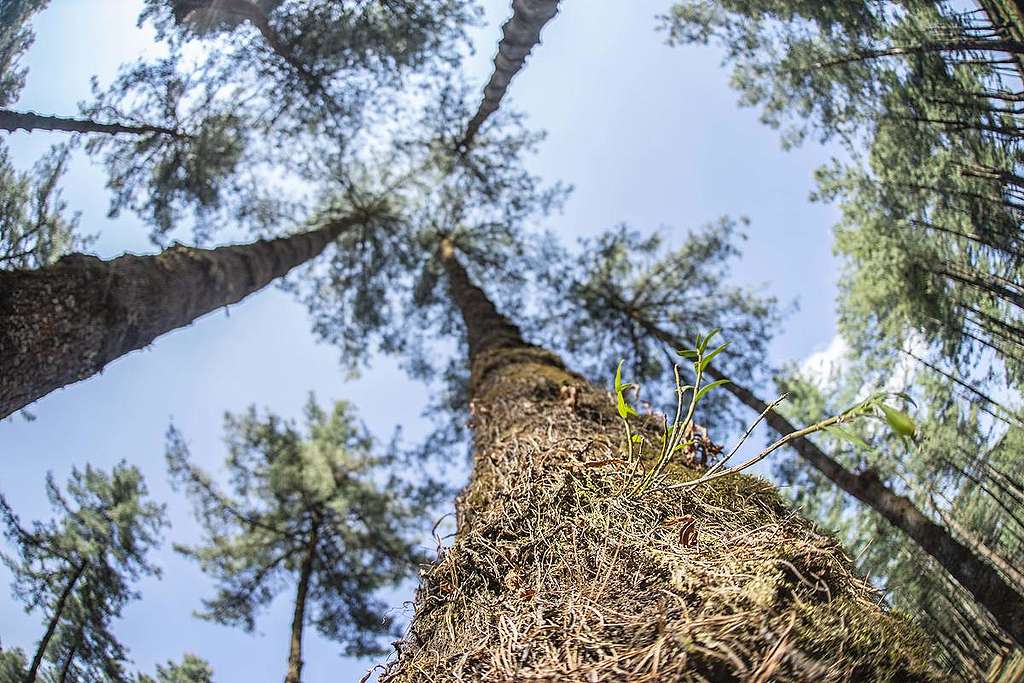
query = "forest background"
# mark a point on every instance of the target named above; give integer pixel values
(648, 135)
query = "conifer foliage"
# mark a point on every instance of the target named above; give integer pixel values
(79, 569)
(307, 510)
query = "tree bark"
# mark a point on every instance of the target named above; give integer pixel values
(557, 575)
(988, 587)
(520, 35)
(65, 322)
(294, 674)
(51, 628)
(12, 121)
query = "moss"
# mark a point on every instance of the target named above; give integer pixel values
(555, 575)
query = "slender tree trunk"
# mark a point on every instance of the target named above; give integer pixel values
(557, 575)
(982, 549)
(65, 322)
(294, 674)
(12, 121)
(51, 628)
(987, 586)
(520, 35)
(65, 669)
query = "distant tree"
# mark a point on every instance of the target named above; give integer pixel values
(317, 510)
(192, 669)
(33, 228)
(13, 665)
(79, 569)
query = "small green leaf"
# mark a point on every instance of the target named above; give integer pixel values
(703, 363)
(638, 438)
(702, 342)
(900, 422)
(847, 435)
(625, 410)
(708, 387)
(689, 354)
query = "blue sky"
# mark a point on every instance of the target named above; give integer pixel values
(647, 134)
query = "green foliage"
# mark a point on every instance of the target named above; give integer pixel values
(623, 292)
(960, 468)
(268, 115)
(79, 568)
(192, 669)
(34, 230)
(320, 497)
(922, 96)
(13, 665)
(15, 38)
(384, 278)
(682, 435)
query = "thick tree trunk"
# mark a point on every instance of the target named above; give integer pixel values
(12, 121)
(51, 628)
(65, 322)
(988, 587)
(294, 674)
(556, 575)
(520, 35)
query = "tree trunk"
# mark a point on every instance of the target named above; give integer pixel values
(294, 674)
(987, 586)
(556, 575)
(12, 121)
(519, 36)
(65, 669)
(51, 628)
(1008, 14)
(65, 322)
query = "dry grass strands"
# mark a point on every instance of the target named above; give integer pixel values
(556, 576)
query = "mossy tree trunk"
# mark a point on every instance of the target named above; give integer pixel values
(555, 575)
(65, 322)
(994, 592)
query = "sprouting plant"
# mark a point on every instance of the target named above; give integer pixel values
(680, 434)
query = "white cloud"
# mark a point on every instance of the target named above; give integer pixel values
(823, 367)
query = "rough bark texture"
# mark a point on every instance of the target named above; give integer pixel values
(989, 588)
(520, 35)
(65, 322)
(294, 674)
(12, 121)
(555, 575)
